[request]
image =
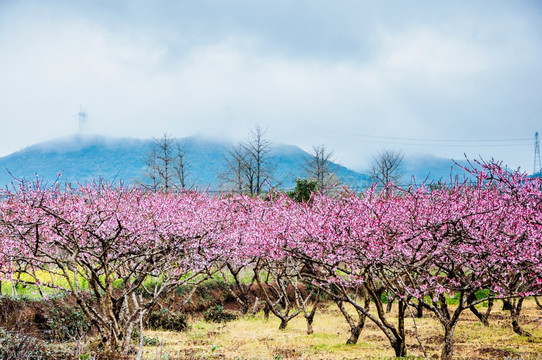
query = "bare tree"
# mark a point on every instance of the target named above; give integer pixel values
(258, 149)
(166, 164)
(150, 174)
(248, 164)
(238, 175)
(320, 167)
(180, 164)
(164, 161)
(386, 167)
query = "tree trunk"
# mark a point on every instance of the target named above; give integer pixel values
(506, 305)
(482, 317)
(395, 335)
(488, 310)
(141, 338)
(310, 318)
(239, 291)
(399, 348)
(266, 311)
(283, 323)
(419, 309)
(538, 302)
(355, 332)
(255, 308)
(447, 349)
(310, 330)
(514, 312)
(244, 309)
(389, 305)
(355, 327)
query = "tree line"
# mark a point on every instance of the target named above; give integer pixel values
(248, 167)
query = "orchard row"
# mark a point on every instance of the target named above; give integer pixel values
(476, 240)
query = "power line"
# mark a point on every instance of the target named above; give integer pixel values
(514, 142)
(440, 140)
(448, 145)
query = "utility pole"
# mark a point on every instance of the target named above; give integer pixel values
(537, 168)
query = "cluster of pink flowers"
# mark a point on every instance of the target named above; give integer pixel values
(417, 242)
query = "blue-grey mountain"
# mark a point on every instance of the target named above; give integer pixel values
(81, 159)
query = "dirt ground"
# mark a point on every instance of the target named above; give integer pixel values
(251, 338)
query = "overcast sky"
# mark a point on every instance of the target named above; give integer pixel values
(435, 77)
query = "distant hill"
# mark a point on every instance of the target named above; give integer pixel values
(432, 168)
(85, 158)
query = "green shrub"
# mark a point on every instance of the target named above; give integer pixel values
(57, 319)
(218, 314)
(147, 341)
(167, 320)
(482, 294)
(453, 300)
(304, 188)
(384, 298)
(24, 347)
(66, 323)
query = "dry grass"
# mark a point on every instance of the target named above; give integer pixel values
(253, 338)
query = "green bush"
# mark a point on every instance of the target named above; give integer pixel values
(66, 323)
(167, 320)
(453, 300)
(304, 188)
(57, 319)
(147, 341)
(218, 314)
(482, 294)
(24, 347)
(384, 298)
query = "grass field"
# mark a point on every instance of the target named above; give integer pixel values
(252, 338)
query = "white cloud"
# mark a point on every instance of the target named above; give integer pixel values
(447, 79)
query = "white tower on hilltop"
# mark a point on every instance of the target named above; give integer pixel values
(82, 119)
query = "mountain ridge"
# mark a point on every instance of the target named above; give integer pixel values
(84, 158)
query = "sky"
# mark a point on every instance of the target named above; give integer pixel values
(445, 78)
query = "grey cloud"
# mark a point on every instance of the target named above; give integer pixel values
(313, 71)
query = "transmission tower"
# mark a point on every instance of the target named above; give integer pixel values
(83, 118)
(537, 162)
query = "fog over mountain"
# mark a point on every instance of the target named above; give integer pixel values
(84, 158)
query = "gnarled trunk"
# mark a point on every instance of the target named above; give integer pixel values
(447, 349)
(355, 326)
(309, 317)
(281, 307)
(483, 317)
(515, 311)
